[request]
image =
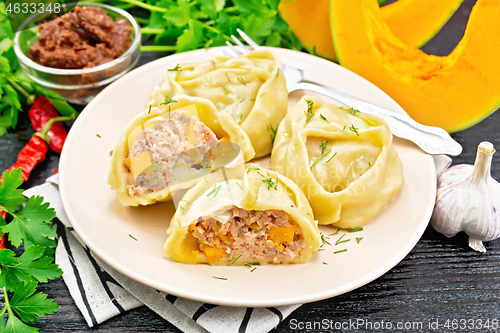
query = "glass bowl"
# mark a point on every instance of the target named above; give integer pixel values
(77, 86)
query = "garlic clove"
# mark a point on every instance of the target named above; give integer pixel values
(476, 245)
(468, 199)
(441, 162)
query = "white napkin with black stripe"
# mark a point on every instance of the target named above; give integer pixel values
(100, 292)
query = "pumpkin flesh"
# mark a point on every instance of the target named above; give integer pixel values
(310, 21)
(452, 92)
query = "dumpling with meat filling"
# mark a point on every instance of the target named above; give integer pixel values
(341, 158)
(168, 147)
(257, 217)
(250, 88)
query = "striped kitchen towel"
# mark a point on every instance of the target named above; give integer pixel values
(100, 292)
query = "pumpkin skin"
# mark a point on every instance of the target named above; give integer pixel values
(452, 92)
(310, 21)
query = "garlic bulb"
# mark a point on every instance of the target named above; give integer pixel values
(468, 199)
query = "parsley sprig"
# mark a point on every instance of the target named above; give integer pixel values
(19, 276)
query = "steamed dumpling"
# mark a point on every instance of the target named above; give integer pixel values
(341, 158)
(169, 147)
(250, 88)
(256, 216)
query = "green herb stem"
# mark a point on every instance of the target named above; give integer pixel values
(141, 20)
(146, 6)
(158, 48)
(148, 30)
(29, 97)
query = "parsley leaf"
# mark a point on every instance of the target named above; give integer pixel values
(32, 265)
(10, 197)
(28, 306)
(30, 224)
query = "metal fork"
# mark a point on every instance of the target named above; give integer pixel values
(432, 140)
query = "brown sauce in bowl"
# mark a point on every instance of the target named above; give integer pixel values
(84, 38)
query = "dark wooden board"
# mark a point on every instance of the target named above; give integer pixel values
(440, 279)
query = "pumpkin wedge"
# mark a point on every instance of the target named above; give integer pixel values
(414, 22)
(452, 92)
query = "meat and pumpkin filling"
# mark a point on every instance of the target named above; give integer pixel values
(270, 235)
(163, 149)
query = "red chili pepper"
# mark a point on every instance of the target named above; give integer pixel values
(34, 151)
(41, 111)
(2, 239)
(31, 154)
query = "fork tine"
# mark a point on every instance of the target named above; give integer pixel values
(235, 50)
(247, 39)
(243, 46)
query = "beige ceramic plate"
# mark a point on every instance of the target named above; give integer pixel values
(105, 226)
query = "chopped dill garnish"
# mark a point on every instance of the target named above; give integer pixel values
(239, 185)
(325, 263)
(240, 78)
(98, 136)
(336, 232)
(343, 128)
(323, 146)
(339, 241)
(177, 68)
(323, 117)
(354, 129)
(369, 165)
(270, 182)
(253, 269)
(157, 167)
(182, 209)
(261, 174)
(262, 94)
(228, 79)
(273, 132)
(253, 169)
(309, 112)
(331, 157)
(352, 111)
(355, 230)
(324, 241)
(220, 278)
(168, 100)
(358, 239)
(207, 165)
(277, 72)
(185, 201)
(308, 214)
(226, 91)
(157, 181)
(132, 237)
(251, 264)
(319, 159)
(149, 108)
(175, 163)
(215, 190)
(344, 250)
(213, 62)
(110, 153)
(232, 261)
(252, 99)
